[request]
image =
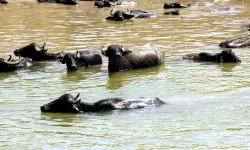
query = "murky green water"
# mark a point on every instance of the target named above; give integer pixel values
(209, 105)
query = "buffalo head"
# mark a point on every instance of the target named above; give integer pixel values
(65, 103)
(115, 52)
(119, 15)
(30, 50)
(228, 56)
(70, 60)
(10, 61)
(10, 64)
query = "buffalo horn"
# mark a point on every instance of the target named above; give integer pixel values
(77, 95)
(123, 49)
(111, 12)
(75, 100)
(12, 63)
(10, 57)
(78, 54)
(128, 11)
(43, 46)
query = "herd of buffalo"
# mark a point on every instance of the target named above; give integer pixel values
(119, 59)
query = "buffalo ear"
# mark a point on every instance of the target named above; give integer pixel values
(103, 52)
(44, 50)
(78, 55)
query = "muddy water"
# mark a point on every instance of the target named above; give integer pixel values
(208, 103)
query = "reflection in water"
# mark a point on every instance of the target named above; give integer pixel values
(4, 75)
(227, 67)
(118, 79)
(81, 74)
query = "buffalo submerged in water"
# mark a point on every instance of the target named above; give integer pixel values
(66, 2)
(80, 59)
(13, 65)
(122, 15)
(3, 2)
(70, 104)
(236, 43)
(120, 59)
(36, 53)
(223, 56)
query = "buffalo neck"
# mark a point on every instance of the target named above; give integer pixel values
(114, 65)
(44, 56)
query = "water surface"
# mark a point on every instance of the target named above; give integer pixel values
(208, 103)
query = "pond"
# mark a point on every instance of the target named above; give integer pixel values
(207, 103)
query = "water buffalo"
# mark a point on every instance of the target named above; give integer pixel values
(173, 5)
(80, 59)
(120, 59)
(235, 43)
(12, 64)
(3, 2)
(174, 12)
(66, 2)
(103, 3)
(35, 52)
(121, 15)
(141, 14)
(70, 104)
(223, 56)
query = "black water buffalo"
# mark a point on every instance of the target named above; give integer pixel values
(66, 2)
(70, 104)
(120, 59)
(35, 52)
(174, 12)
(12, 64)
(223, 56)
(103, 3)
(173, 5)
(235, 43)
(80, 59)
(121, 15)
(3, 2)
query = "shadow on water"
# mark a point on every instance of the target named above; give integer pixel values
(119, 79)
